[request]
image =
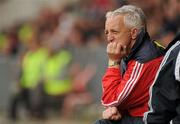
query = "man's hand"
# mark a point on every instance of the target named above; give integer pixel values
(116, 51)
(111, 113)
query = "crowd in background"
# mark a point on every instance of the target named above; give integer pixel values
(61, 54)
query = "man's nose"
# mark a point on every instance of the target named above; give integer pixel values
(110, 38)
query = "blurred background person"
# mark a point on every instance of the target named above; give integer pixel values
(56, 82)
(30, 77)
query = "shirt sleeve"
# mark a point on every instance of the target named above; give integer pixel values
(116, 87)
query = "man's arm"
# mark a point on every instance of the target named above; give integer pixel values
(117, 87)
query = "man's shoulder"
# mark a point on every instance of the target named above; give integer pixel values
(173, 51)
(176, 48)
(148, 52)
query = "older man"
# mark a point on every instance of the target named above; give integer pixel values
(133, 62)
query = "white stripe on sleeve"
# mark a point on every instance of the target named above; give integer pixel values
(129, 85)
(177, 68)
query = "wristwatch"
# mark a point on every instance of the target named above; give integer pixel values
(114, 63)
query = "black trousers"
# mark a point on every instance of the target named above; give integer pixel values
(22, 97)
(124, 120)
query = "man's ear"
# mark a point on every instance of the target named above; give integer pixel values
(134, 33)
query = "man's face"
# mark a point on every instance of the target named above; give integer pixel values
(116, 31)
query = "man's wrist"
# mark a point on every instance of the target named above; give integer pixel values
(113, 63)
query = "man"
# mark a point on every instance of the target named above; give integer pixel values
(165, 92)
(133, 62)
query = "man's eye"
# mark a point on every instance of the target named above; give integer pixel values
(115, 32)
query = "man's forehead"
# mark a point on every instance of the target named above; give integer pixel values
(114, 20)
(116, 17)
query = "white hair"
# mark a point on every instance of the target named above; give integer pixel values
(133, 16)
